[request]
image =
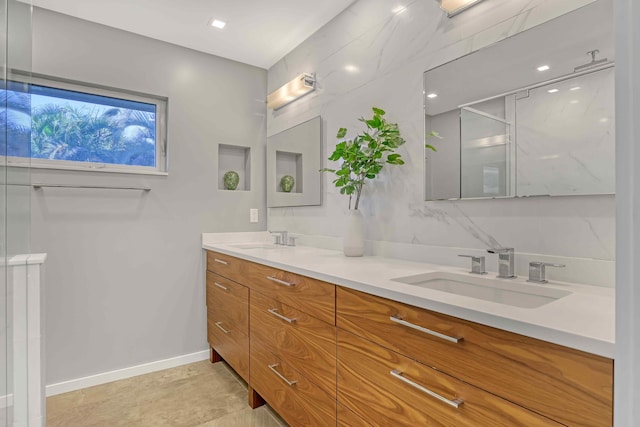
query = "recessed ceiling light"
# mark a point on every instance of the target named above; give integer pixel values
(553, 90)
(351, 68)
(604, 120)
(574, 101)
(216, 23)
(399, 9)
(432, 95)
(575, 88)
(543, 68)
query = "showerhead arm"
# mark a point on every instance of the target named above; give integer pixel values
(593, 62)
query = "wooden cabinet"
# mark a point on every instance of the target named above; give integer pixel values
(570, 386)
(386, 388)
(323, 355)
(228, 322)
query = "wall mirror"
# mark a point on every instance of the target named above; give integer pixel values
(293, 165)
(531, 115)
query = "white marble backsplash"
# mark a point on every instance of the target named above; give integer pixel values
(387, 54)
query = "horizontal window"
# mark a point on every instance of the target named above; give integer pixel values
(58, 124)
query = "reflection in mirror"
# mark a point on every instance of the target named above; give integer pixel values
(293, 165)
(528, 116)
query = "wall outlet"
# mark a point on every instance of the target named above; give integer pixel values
(253, 215)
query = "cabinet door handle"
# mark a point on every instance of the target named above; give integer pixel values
(282, 377)
(224, 288)
(219, 325)
(396, 319)
(455, 402)
(281, 282)
(221, 261)
(274, 311)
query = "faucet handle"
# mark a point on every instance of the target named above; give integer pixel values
(477, 264)
(538, 271)
(292, 241)
(500, 250)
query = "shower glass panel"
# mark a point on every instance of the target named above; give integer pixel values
(485, 156)
(15, 207)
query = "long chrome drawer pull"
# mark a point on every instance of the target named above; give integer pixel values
(425, 330)
(282, 377)
(455, 402)
(224, 288)
(274, 311)
(219, 325)
(282, 282)
(221, 261)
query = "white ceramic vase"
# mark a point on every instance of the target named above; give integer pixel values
(353, 242)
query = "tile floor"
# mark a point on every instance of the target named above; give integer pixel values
(200, 394)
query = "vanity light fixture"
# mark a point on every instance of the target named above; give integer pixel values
(553, 90)
(289, 92)
(454, 7)
(216, 23)
(432, 95)
(543, 68)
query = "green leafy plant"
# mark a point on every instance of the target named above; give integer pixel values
(364, 156)
(432, 134)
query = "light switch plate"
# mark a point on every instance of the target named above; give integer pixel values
(253, 215)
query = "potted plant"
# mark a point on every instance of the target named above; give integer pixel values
(363, 157)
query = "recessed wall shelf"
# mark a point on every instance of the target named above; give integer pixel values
(289, 164)
(234, 158)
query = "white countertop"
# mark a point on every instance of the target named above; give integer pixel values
(584, 320)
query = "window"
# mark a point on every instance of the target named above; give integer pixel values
(64, 125)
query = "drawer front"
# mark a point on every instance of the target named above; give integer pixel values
(228, 301)
(567, 385)
(305, 343)
(232, 345)
(346, 418)
(309, 295)
(386, 388)
(225, 265)
(296, 399)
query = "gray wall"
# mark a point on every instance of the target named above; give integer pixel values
(124, 277)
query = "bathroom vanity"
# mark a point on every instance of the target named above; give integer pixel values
(328, 340)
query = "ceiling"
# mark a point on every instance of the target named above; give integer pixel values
(258, 32)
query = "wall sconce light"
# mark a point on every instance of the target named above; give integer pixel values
(296, 88)
(454, 7)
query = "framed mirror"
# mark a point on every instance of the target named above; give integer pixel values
(294, 161)
(531, 115)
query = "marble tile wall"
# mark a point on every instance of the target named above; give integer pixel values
(370, 56)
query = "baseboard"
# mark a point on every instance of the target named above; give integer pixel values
(120, 374)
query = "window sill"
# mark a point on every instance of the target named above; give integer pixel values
(86, 169)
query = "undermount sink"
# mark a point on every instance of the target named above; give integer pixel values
(256, 246)
(501, 291)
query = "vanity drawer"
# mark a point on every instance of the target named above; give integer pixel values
(346, 418)
(229, 343)
(304, 293)
(225, 265)
(305, 343)
(567, 385)
(228, 301)
(296, 399)
(386, 388)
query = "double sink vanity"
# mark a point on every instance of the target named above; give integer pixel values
(328, 340)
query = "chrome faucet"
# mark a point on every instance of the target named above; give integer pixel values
(538, 271)
(506, 257)
(477, 264)
(281, 237)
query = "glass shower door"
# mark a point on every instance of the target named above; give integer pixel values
(485, 155)
(15, 207)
